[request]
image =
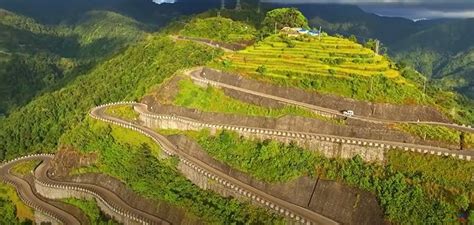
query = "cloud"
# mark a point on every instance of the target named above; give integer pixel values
(163, 1)
(371, 1)
(427, 11)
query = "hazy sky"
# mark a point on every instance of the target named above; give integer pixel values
(164, 1)
(412, 9)
(373, 1)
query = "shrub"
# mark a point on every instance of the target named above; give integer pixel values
(262, 69)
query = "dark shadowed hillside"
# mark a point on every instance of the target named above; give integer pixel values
(57, 11)
(37, 58)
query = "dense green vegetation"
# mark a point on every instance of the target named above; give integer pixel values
(219, 29)
(62, 71)
(439, 133)
(266, 160)
(12, 209)
(211, 99)
(90, 208)
(138, 166)
(38, 126)
(24, 168)
(446, 178)
(412, 188)
(38, 58)
(283, 17)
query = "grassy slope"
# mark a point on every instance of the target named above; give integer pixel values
(125, 112)
(25, 167)
(215, 100)
(135, 162)
(437, 133)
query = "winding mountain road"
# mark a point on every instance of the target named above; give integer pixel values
(302, 215)
(42, 176)
(196, 75)
(462, 154)
(32, 199)
(299, 213)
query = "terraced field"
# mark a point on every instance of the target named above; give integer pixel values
(312, 56)
(328, 65)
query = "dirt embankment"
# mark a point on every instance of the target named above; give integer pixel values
(67, 160)
(334, 200)
(367, 109)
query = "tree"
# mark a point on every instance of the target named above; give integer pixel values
(371, 43)
(353, 38)
(284, 17)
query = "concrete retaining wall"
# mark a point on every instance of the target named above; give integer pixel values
(169, 212)
(53, 191)
(40, 218)
(326, 147)
(329, 145)
(346, 205)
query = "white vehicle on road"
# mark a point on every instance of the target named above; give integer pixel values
(348, 113)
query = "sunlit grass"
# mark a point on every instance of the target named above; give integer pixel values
(329, 66)
(122, 111)
(26, 167)
(211, 99)
(437, 133)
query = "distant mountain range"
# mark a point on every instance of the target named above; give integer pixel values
(441, 49)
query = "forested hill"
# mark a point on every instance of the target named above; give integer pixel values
(145, 11)
(350, 19)
(37, 58)
(444, 51)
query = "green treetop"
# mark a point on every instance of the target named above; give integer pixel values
(284, 17)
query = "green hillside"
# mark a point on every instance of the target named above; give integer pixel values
(51, 76)
(35, 58)
(457, 73)
(38, 125)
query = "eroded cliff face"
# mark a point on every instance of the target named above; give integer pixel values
(67, 159)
